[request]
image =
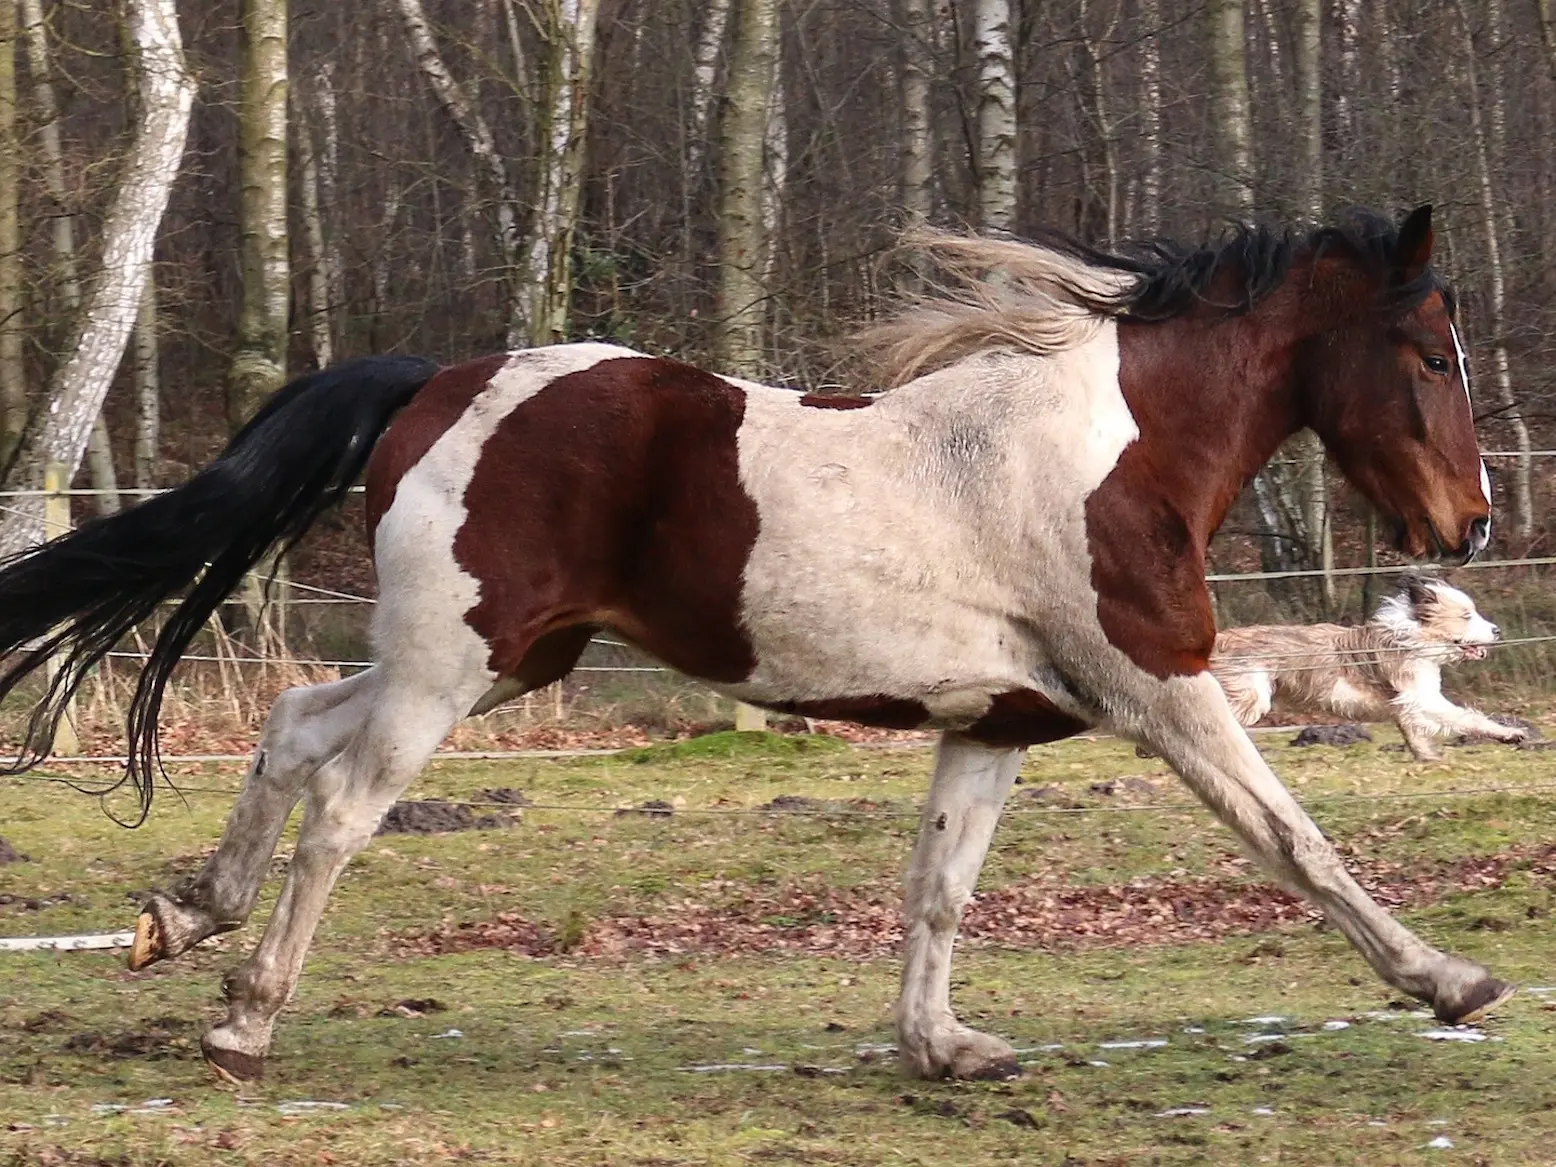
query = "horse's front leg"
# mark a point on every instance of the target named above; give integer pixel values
(1187, 721)
(970, 786)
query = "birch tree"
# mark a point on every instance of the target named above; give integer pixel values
(996, 114)
(710, 46)
(917, 174)
(13, 375)
(548, 265)
(1151, 117)
(1307, 450)
(481, 144)
(1229, 107)
(129, 233)
(320, 311)
(1502, 377)
(40, 67)
(259, 361)
(741, 307)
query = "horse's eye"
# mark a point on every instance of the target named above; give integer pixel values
(1438, 364)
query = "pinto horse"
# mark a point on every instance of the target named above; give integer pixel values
(1008, 547)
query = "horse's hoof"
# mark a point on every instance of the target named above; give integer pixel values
(1475, 1004)
(232, 1065)
(147, 948)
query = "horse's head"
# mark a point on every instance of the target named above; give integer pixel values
(1387, 387)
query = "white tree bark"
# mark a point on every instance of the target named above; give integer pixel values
(741, 296)
(329, 181)
(148, 387)
(13, 373)
(40, 65)
(129, 233)
(710, 45)
(1229, 106)
(259, 361)
(548, 265)
(1151, 117)
(482, 145)
(996, 114)
(775, 164)
(918, 147)
(1523, 470)
(321, 333)
(1096, 84)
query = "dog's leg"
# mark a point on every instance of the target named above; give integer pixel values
(1445, 718)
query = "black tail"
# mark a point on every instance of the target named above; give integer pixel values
(79, 594)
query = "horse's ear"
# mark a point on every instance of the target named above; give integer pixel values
(1415, 245)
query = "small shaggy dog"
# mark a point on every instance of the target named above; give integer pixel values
(1389, 668)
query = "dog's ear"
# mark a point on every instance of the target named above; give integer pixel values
(1418, 589)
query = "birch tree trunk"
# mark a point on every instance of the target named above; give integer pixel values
(329, 182)
(479, 141)
(1547, 14)
(40, 66)
(740, 297)
(1309, 451)
(1096, 87)
(13, 374)
(259, 362)
(148, 387)
(710, 44)
(917, 174)
(1512, 414)
(549, 260)
(1151, 117)
(129, 233)
(320, 312)
(1229, 107)
(996, 115)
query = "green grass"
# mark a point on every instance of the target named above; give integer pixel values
(572, 1060)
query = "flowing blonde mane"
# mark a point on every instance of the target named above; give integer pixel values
(975, 294)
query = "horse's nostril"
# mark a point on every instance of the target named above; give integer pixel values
(1480, 532)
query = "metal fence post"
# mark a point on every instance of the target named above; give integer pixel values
(56, 522)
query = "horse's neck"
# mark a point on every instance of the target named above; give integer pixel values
(1213, 401)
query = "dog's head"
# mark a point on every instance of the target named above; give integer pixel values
(1442, 617)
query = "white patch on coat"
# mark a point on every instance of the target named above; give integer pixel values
(424, 592)
(1464, 379)
(928, 546)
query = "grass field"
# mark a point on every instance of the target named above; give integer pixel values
(574, 986)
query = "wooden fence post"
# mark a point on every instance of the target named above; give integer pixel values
(750, 717)
(56, 521)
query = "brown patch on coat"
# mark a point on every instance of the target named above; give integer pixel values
(834, 401)
(1149, 522)
(1023, 717)
(876, 710)
(613, 497)
(430, 414)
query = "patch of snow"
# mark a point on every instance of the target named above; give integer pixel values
(449, 1033)
(1336, 1025)
(1182, 1111)
(1441, 1143)
(1143, 1043)
(1455, 1034)
(728, 1067)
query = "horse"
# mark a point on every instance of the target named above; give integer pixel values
(1006, 545)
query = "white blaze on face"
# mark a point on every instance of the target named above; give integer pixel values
(1464, 378)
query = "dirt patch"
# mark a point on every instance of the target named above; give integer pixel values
(436, 817)
(655, 808)
(865, 923)
(1332, 735)
(158, 1037)
(794, 804)
(506, 795)
(9, 854)
(1138, 787)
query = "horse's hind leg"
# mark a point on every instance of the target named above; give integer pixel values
(970, 786)
(307, 726)
(346, 799)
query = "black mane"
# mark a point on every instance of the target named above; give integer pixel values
(1178, 277)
